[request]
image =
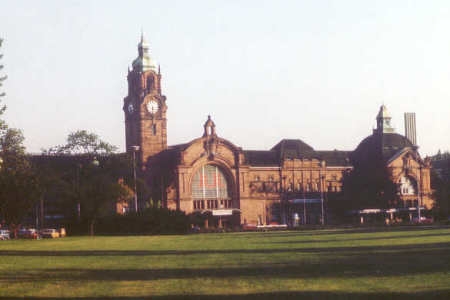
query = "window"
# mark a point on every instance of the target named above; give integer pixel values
(149, 84)
(407, 186)
(210, 189)
(154, 129)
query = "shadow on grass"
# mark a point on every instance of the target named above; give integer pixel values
(415, 248)
(349, 238)
(430, 258)
(351, 230)
(276, 295)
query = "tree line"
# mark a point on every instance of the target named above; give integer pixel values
(85, 177)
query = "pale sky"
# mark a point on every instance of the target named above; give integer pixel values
(264, 70)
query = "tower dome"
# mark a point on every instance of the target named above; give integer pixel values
(144, 62)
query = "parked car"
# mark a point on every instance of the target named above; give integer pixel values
(423, 220)
(4, 234)
(28, 233)
(49, 233)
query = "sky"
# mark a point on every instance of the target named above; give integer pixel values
(313, 70)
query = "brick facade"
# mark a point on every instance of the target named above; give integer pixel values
(260, 187)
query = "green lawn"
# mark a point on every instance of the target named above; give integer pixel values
(405, 263)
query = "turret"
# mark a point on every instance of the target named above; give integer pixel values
(384, 121)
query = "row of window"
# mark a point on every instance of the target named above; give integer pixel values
(257, 178)
(411, 203)
(273, 187)
(270, 178)
(212, 204)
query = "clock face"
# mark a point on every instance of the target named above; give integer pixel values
(130, 108)
(152, 106)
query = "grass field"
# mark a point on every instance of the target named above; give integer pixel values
(397, 263)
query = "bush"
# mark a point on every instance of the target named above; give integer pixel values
(150, 221)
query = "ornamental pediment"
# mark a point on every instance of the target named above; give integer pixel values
(210, 146)
(407, 159)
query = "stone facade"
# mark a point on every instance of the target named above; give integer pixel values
(212, 175)
(400, 156)
(145, 107)
(412, 174)
(257, 182)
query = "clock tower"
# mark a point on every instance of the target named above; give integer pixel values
(145, 107)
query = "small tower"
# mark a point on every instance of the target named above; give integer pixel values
(210, 138)
(384, 121)
(145, 107)
(209, 128)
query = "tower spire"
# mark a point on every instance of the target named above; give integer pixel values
(143, 62)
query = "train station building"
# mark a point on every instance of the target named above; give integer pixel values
(291, 183)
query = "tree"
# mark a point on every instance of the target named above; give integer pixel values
(440, 183)
(2, 78)
(100, 189)
(18, 181)
(83, 142)
(19, 186)
(369, 187)
(3, 126)
(98, 170)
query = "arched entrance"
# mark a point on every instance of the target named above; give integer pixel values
(408, 190)
(212, 195)
(408, 186)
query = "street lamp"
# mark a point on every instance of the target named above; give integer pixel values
(419, 193)
(81, 163)
(321, 198)
(95, 162)
(322, 177)
(135, 149)
(78, 192)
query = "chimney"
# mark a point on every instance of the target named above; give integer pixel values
(410, 127)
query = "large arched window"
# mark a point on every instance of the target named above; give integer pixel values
(408, 186)
(210, 189)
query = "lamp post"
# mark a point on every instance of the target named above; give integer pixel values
(78, 192)
(322, 177)
(135, 149)
(419, 192)
(292, 187)
(293, 175)
(95, 162)
(79, 166)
